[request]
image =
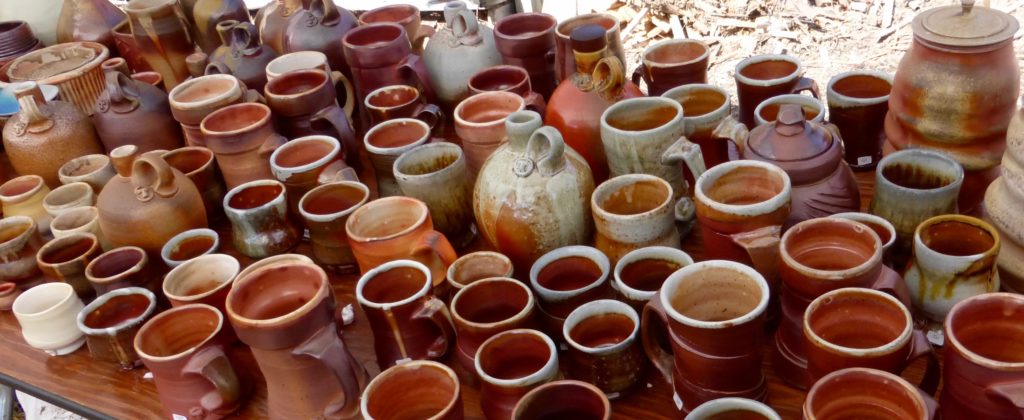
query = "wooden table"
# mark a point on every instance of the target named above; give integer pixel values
(100, 390)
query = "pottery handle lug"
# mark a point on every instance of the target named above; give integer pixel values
(920, 347)
(216, 68)
(434, 243)
(119, 88)
(211, 363)
(327, 347)
(466, 28)
(535, 102)
(685, 210)
(609, 77)
(662, 360)
(640, 74)
(337, 171)
(547, 150)
(733, 130)
(685, 151)
(151, 174)
(433, 116)
(336, 118)
(272, 143)
(419, 40)
(350, 98)
(326, 11)
(433, 310)
(836, 135)
(414, 69)
(244, 38)
(1012, 392)
(807, 84)
(762, 246)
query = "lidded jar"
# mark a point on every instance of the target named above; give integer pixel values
(955, 91)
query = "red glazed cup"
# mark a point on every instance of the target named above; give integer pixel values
(564, 400)
(414, 390)
(867, 393)
(510, 364)
(486, 308)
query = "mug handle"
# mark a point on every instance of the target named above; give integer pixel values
(762, 245)
(687, 152)
(732, 130)
(327, 347)
(889, 281)
(641, 73)
(662, 360)
(1012, 392)
(433, 116)
(271, 144)
(337, 171)
(422, 33)
(920, 347)
(336, 118)
(808, 84)
(350, 99)
(536, 103)
(436, 243)
(433, 310)
(415, 70)
(212, 364)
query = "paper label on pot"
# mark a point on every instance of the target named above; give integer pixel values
(864, 160)
(178, 417)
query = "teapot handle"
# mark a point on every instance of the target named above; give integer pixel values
(244, 39)
(733, 130)
(466, 28)
(151, 174)
(119, 88)
(549, 160)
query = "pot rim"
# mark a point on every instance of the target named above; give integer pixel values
(276, 200)
(33, 190)
(272, 71)
(444, 146)
(910, 389)
(333, 216)
(908, 155)
(595, 391)
(165, 251)
(673, 280)
(413, 365)
(595, 308)
(522, 314)
(204, 150)
(952, 340)
(388, 266)
(66, 167)
(553, 23)
(179, 271)
(450, 274)
(593, 254)
(682, 92)
(382, 89)
(245, 276)
(398, 6)
(60, 243)
(833, 95)
(234, 90)
(397, 200)
(589, 18)
(172, 312)
(502, 95)
(812, 224)
(263, 120)
(84, 191)
(674, 255)
(887, 348)
(920, 248)
(772, 204)
(648, 102)
(669, 42)
(296, 73)
(397, 150)
(94, 214)
(135, 268)
(868, 217)
(123, 325)
(285, 171)
(755, 59)
(16, 220)
(546, 372)
(723, 405)
(620, 182)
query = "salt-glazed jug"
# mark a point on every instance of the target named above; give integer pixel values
(457, 52)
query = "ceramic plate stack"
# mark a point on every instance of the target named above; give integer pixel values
(73, 67)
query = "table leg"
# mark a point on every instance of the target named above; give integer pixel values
(6, 402)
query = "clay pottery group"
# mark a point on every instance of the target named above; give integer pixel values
(476, 266)
(148, 202)
(144, 107)
(307, 162)
(631, 212)
(1003, 198)
(713, 315)
(565, 61)
(242, 137)
(565, 279)
(23, 196)
(480, 124)
(485, 308)
(704, 108)
(671, 63)
(192, 243)
(94, 170)
(79, 75)
(387, 141)
(46, 314)
(325, 210)
(379, 55)
(863, 392)
(427, 389)
(127, 266)
(196, 98)
(532, 194)
(576, 106)
(43, 136)
(456, 52)
(64, 260)
(88, 20)
(564, 399)
(639, 274)
(162, 35)
(763, 76)
(527, 41)
(968, 51)
(198, 165)
(857, 104)
(207, 14)
(426, 169)
(79, 220)
(296, 343)
(604, 346)
(112, 321)
(320, 26)
(261, 225)
(20, 244)
(733, 407)
(402, 101)
(509, 365)
(507, 79)
(304, 104)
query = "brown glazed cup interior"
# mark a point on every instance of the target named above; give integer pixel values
(333, 199)
(859, 319)
(119, 310)
(85, 165)
(308, 150)
(266, 295)
(700, 102)
(22, 186)
(861, 86)
(398, 13)
(396, 133)
(955, 237)
(488, 107)
(72, 219)
(521, 25)
(116, 261)
(375, 35)
(395, 285)
(742, 185)
(66, 249)
(392, 96)
(713, 293)
(499, 78)
(515, 354)
(478, 266)
(989, 330)
(770, 69)
(178, 331)
(676, 53)
(13, 227)
(412, 391)
(566, 399)
(297, 82)
(643, 116)
(863, 394)
(831, 245)
(640, 196)
(236, 118)
(402, 214)
(189, 160)
(254, 195)
(492, 301)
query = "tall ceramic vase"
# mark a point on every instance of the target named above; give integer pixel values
(161, 31)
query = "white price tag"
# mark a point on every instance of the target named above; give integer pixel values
(864, 160)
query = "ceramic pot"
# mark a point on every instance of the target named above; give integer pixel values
(631, 212)
(564, 399)
(94, 170)
(509, 365)
(127, 102)
(23, 196)
(576, 106)
(79, 76)
(79, 220)
(863, 392)
(199, 165)
(425, 169)
(46, 314)
(16, 39)
(190, 244)
(1002, 200)
(639, 274)
(307, 162)
(857, 104)
(21, 243)
(122, 267)
(43, 136)
(272, 20)
(67, 197)
(507, 78)
(148, 202)
(406, 15)
(128, 48)
(480, 124)
(954, 259)
(818, 256)
(950, 43)
(886, 231)
(910, 187)
(88, 20)
(326, 209)
(733, 407)
(566, 278)
(670, 63)
(486, 308)
(401, 101)
(320, 26)
(713, 315)
(161, 32)
(260, 223)
(379, 55)
(64, 260)
(296, 344)
(387, 141)
(194, 99)
(309, 60)
(112, 321)
(206, 14)
(768, 110)
(763, 76)
(456, 52)
(194, 377)
(527, 41)
(981, 375)
(565, 61)
(303, 102)
(604, 348)
(249, 58)
(476, 266)
(242, 137)
(428, 389)
(704, 108)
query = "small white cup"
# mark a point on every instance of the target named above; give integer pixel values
(48, 317)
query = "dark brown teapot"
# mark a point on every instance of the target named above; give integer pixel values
(809, 152)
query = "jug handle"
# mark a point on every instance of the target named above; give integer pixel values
(920, 347)
(466, 28)
(151, 174)
(244, 39)
(216, 67)
(433, 310)
(336, 118)
(119, 88)
(548, 160)
(350, 99)
(434, 243)
(433, 116)
(889, 281)
(661, 359)
(608, 77)
(271, 144)
(324, 12)
(212, 364)
(762, 245)
(29, 98)
(415, 70)
(733, 130)
(327, 347)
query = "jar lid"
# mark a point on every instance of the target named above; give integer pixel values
(964, 25)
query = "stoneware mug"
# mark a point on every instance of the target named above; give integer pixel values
(111, 322)
(127, 266)
(189, 244)
(260, 223)
(867, 393)
(604, 346)
(46, 314)
(79, 220)
(485, 308)
(427, 169)
(509, 365)
(206, 279)
(639, 274)
(704, 107)
(326, 209)
(307, 162)
(731, 407)
(857, 103)
(763, 76)
(633, 211)
(566, 278)
(417, 389)
(564, 399)
(476, 266)
(387, 141)
(672, 62)
(94, 170)
(67, 197)
(65, 259)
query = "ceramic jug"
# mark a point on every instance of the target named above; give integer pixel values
(89, 20)
(147, 202)
(245, 57)
(456, 52)
(320, 26)
(576, 105)
(960, 70)
(273, 19)
(205, 16)
(43, 136)
(141, 106)
(810, 153)
(1003, 202)
(161, 31)
(565, 60)
(533, 194)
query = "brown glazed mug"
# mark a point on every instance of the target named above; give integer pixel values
(126, 266)
(704, 108)
(402, 101)
(604, 348)
(65, 259)
(385, 142)
(426, 169)
(307, 162)
(326, 209)
(527, 41)
(420, 389)
(194, 377)
(672, 62)
(713, 314)
(189, 244)
(304, 103)
(763, 76)
(856, 327)
(566, 278)
(633, 211)
(507, 79)
(261, 225)
(480, 124)
(639, 274)
(733, 408)
(194, 99)
(242, 137)
(408, 321)
(857, 104)
(112, 321)
(395, 228)
(564, 399)
(509, 365)
(485, 308)
(406, 15)
(206, 279)
(983, 358)
(476, 266)
(379, 55)
(867, 393)
(199, 165)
